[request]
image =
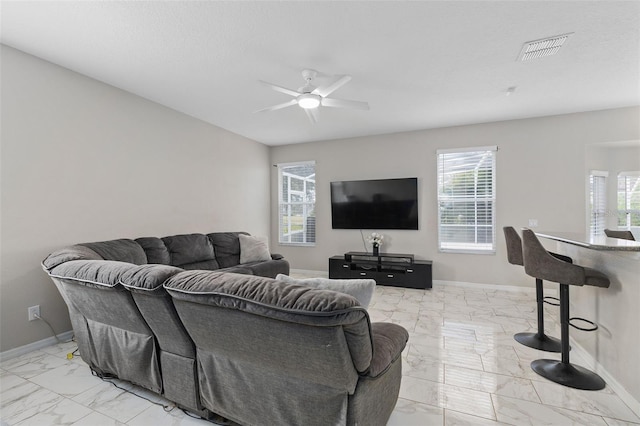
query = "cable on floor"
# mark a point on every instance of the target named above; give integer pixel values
(52, 330)
(108, 378)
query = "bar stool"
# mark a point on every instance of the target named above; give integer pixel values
(538, 263)
(538, 340)
(623, 235)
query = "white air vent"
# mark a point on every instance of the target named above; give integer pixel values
(543, 47)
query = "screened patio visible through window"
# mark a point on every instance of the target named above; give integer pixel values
(297, 197)
(466, 200)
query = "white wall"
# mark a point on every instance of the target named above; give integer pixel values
(540, 175)
(83, 161)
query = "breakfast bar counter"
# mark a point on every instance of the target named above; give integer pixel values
(614, 346)
(601, 243)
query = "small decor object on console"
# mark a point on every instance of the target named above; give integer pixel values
(375, 240)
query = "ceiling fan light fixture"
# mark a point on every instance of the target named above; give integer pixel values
(308, 101)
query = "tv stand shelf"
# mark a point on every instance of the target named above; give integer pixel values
(394, 269)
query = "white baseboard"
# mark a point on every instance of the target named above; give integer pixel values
(595, 366)
(22, 350)
(515, 288)
(443, 283)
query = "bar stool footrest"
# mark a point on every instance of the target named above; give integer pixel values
(568, 374)
(556, 301)
(538, 341)
(593, 328)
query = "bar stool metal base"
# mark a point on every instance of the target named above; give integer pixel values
(539, 341)
(568, 374)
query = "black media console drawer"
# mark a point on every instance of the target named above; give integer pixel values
(386, 269)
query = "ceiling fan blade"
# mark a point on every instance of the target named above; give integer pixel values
(313, 114)
(279, 106)
(343, 103)
(327, 90)
(280, 89)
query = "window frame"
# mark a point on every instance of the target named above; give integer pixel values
(471, 247)
(307, 206)
(597, 220)
(627, 199)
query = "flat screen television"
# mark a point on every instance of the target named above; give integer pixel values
(375, 204)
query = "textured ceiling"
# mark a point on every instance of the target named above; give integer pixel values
(419, 65)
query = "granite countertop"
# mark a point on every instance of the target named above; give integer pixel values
(596, 243)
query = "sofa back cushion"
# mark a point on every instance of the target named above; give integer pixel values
(191, 251)
(155, 250)
(227, 247)
(123, 250)
(67, 254)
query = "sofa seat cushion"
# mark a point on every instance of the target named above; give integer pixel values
(206, 265)
(186, 250)
(270, 268)
(240, 269)
(362, 290)
(389, 341)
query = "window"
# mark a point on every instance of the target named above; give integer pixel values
(628, 199)
(597, 202)
(297, 200)
(466, 199)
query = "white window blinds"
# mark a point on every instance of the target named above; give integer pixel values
(466, 199)
(628, 199)
(597, 202)
(297, 199)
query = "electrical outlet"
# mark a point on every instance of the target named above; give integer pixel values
(34, 312)
(533, 223)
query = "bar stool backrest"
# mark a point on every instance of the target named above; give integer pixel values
(623, 235)
(514, 246)
(538, 263)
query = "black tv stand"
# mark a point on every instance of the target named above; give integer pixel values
(394, 269)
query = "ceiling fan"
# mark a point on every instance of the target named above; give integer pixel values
(310, 97)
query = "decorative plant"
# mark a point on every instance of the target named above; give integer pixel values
(375, 239)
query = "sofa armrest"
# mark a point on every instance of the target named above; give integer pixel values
(276, 256)
(389, 341)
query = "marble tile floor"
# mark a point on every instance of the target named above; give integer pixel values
(460, 367)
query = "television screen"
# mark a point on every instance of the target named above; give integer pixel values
(375, 204)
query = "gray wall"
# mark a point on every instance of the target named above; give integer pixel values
(540, 175)
(83, 161)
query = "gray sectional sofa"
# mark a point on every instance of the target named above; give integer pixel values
(182, 317)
